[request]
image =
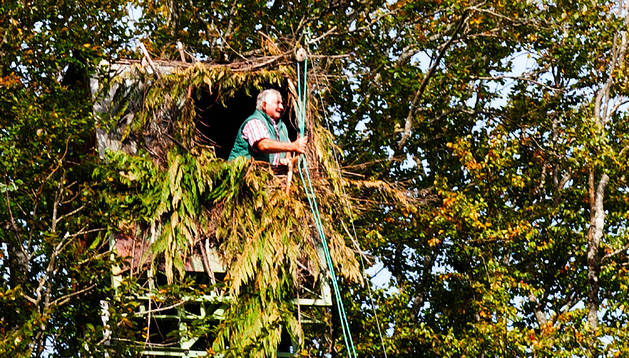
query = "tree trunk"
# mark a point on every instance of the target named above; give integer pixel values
(595, 233)
(602, 115)
(18, 264)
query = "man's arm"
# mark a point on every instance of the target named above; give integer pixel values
(267, 145)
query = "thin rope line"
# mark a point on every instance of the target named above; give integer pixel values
(310, 195)
(335, 155)
(340, 305)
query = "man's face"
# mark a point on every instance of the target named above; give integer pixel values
(274, 107)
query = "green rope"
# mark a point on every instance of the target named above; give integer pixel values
(362, 263)
(312, 201)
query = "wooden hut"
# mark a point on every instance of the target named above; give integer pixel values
(200, 241)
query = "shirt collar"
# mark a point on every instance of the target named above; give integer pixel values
(266, 116)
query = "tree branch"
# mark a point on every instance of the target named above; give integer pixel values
(521, 78)
(442, 51)
(64, 299)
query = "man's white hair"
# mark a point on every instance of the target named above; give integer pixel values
(265, 96)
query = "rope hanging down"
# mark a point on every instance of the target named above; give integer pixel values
(312, 201)
(362, 262)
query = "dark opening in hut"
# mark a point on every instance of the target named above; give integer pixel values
(218, 119)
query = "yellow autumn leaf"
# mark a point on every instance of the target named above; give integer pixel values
(433, 242)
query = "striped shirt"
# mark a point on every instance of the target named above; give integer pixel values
(255, 130)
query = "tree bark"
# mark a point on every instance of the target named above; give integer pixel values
(597, 190)
(18, 265)
(595, 233)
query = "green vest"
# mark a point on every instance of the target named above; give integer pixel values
(241, 146)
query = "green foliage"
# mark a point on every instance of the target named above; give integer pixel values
(487, 112)
(264, 235)
(507, 138)
(52, 274)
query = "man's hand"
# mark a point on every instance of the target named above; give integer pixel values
(300, 145)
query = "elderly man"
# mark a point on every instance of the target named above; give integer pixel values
(263, 136)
